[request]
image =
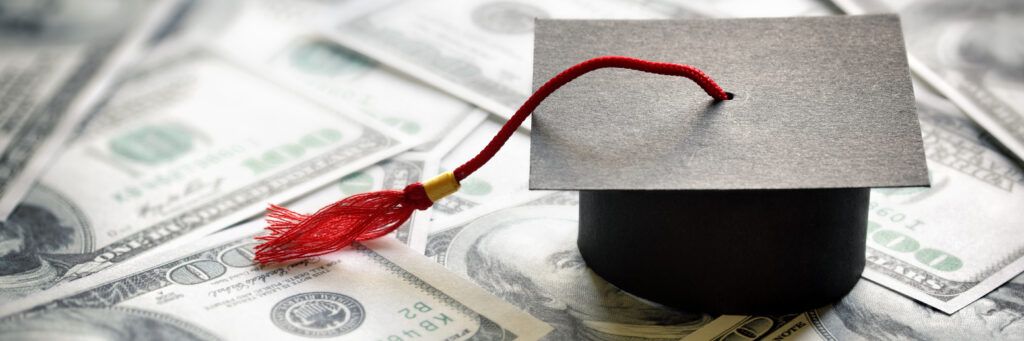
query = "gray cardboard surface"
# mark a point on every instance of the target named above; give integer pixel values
(822, 102)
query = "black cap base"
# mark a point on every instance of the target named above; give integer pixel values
(728, 252)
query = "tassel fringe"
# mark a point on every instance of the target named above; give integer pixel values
(359, 217)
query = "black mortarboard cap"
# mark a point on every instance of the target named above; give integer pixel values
(752, 205)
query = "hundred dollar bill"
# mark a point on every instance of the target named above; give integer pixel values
(349, 80)
(526, 254)
(341, 77)
(375, 290)
(506, 175)
(195, 21)
(951, 244)
(57, 60)
(207, 144)
(480, 51)
(872, 312)
(971, 52)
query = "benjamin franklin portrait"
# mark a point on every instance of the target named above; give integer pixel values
(99, 324)
(41, 229)
(528, 256)
(979, 41)
(872, 312)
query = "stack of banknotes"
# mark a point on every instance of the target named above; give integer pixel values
(141, 141)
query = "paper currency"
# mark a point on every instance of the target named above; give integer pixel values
(377, 290)
(972, 52)
(527, 255)
(203, 144)
(196, 21)
(506, 175)
(872, 312)
(953, 243)
(480, 51)
(349, 80)
(57, 59)
(341, 77)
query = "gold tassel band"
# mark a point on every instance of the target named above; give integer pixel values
(441, 186)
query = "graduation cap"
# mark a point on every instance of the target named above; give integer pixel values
(751, 201)
(757, 204)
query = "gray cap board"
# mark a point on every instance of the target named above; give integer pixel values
(821, 102)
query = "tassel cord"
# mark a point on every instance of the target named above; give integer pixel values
(566, 76)
(375, 214)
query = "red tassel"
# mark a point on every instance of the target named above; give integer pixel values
(359, 217)
(371, 215)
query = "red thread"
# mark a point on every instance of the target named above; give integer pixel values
(567, 76)
(375, 214)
